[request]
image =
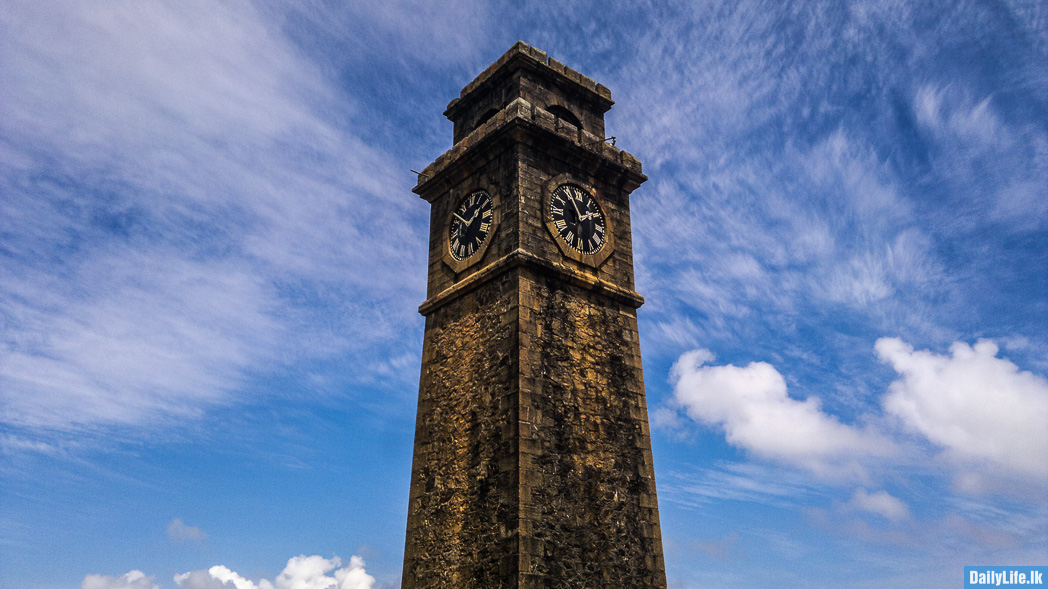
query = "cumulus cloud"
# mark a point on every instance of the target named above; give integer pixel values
(978, 407)
(180, 532)
(987, 416)
(301, 572)
(217, 577)
(130, 580)
(881, 503)
(751, 405)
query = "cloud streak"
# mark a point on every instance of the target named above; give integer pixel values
(130, 580)
(180, 200)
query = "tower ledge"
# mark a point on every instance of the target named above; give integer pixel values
(520, 111)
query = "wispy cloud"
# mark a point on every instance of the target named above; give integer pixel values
(753, 483)
(882, 503)
(130, 580)
(148, 334)
(180, 532)
(180, 199)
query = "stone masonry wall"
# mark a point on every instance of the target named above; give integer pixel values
(589, 515)
(462, 515)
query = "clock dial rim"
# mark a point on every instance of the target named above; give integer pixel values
(484, 233)
(564, 230)
(600, 256)
(452, 198)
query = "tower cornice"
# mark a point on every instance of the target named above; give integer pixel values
(524, 122)
(519, 258)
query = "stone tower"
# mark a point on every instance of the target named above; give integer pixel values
(532, 464)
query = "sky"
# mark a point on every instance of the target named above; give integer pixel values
(211, 262)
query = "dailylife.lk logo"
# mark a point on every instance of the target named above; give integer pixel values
(996, 576)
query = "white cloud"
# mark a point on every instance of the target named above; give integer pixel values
(985, 153)
(881, 503)
(148, 335)
(180, 532)
(129, 580)
(217, 577)
(213, 578)
(770, 484)
(976, 123)
(986, 414)
(301, 572)
(860, 281)
(394, 23)
(978, 407)
(182, 191)
(753, 408)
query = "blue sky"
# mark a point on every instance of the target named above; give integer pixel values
(211, 262)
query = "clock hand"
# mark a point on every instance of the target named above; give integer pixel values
(577, 212)
(463, 220)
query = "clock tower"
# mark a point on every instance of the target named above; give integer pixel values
(532, 463)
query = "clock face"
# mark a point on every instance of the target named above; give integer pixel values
(470, 225)
(578, 219)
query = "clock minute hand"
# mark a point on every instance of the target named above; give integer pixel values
(464, 222)
(574, 204)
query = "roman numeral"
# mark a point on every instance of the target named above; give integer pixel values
(561, 224)
(484, 227)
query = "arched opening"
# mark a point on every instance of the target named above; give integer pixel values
(484, 117)
(564, 114)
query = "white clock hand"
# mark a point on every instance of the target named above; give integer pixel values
(577, 212)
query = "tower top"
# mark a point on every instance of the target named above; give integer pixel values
(528, 73)
(526, 96)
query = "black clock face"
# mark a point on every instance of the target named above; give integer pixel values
(578, 218)
(470, 225)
